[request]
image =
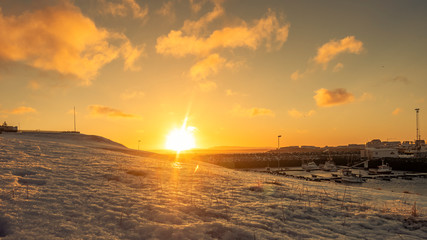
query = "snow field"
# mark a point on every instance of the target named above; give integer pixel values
(62, 190)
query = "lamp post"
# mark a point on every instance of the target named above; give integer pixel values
(278, 148)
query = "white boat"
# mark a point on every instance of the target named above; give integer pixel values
(329, 166)
(384, 168)
(310, 166)
(349, 177)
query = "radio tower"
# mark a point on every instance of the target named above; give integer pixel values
(418, 129)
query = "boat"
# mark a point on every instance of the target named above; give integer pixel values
(384, 168)
(329, 166)
(310, 166)
(349, 177)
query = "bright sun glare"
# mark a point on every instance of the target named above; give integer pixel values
(181, 139)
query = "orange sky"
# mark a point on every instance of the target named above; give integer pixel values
(316, 72)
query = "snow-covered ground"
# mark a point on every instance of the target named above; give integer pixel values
(75, 189)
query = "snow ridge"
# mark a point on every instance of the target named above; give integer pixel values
(54, 189)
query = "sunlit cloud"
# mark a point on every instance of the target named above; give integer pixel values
(130, 95)
(267, 30)
(252, 112)
(328, 98)
(59, 38)
(22, 110)
(123, 8)
(333, 48)
(296, 75)
(396, 111)
(195, 27)
(208, 66)
(298, 114)
(329, 51)
(338, 67)
(98, 110)
(196, 5)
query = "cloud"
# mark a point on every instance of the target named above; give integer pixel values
(195, 27)
(22, 110)
(396, 111)
(400, 79)
(365, 96)
(331, 49)
(59, 38)
(328, 98)
(98, 110)
(297, 114)
(129, 95)
(338, 67)
(252, 112)
(296, 75)
(167, 10)
(208, 66)
(196, 5)
(267, 30)
(123, 8)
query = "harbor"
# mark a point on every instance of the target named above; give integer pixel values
(397, 181)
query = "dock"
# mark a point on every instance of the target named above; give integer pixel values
(337, 177)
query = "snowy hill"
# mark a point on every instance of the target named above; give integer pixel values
(53, 188)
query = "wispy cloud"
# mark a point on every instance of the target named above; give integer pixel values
(207, 66)
(329, 51)
(333, 48)
(130, 95)
(196, 5)
(252, 112)
(167, 10)
(195, 27)
(123, 8)
(399, 79)
(338, 67)
(98, 110)
(193, 39)
(21, 110)
(268, 30)
(60, 38)
(328, 98)
(396, 111)
(298, 114)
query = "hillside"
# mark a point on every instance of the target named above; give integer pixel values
(53, 188)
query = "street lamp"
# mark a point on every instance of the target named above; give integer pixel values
(278, 148)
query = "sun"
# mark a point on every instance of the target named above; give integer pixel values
(181, 139)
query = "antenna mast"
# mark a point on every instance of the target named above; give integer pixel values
(74, 118)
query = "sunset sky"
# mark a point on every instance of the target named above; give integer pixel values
(243, 72)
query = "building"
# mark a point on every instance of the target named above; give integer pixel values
(6, 128)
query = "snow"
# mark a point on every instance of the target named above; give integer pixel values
(53, 188)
